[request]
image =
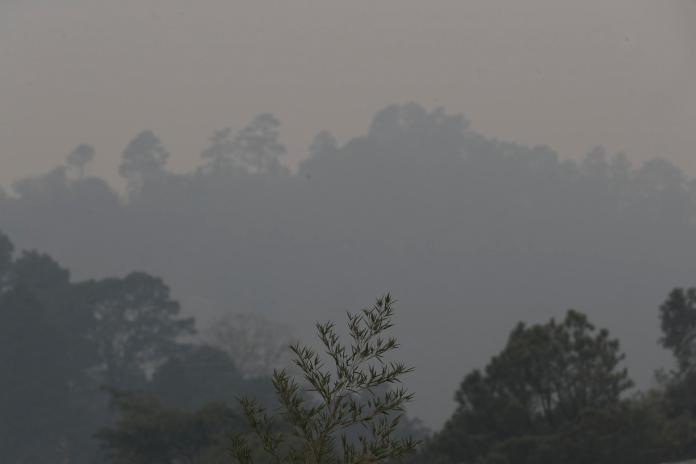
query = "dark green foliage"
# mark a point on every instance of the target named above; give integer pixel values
(630, 432)
(39, 274)
(60, 342)
(540, 388)
(6, 251)
(135, 325)
(678, 322)
(634, 431)
(680, 394)
(338, 395)
(201, 374)
(46, 387)
(185, 412)
(555, 395)
(38, 381)
(147, 432)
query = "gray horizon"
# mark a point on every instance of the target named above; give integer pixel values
(615, 73)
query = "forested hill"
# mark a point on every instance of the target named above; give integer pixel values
(472, 233)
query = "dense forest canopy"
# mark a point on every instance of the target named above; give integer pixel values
(68, 348)
(471, 232)
(106, 371)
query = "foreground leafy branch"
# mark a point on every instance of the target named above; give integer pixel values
(342, 413)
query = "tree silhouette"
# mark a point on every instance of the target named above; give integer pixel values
(79, 158)
(546, 379)
(312, 426)
(143, 160)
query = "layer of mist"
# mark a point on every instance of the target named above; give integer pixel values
(470, 233)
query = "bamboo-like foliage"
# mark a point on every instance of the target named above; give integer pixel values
(342, 414)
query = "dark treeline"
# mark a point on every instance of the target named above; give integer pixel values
(471, 232)
(559, 392)
(68, 349)
(107, 371)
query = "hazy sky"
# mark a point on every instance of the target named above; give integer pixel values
(567, 73)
